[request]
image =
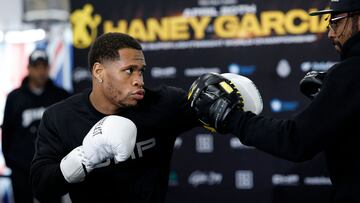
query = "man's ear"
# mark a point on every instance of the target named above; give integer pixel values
(97, 71)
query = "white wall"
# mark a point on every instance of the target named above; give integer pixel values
(10, 14)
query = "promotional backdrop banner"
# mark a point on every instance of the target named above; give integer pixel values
(274, 43)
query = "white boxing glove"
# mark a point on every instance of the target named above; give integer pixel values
(72, 166)
(111, 137)
(249, 92)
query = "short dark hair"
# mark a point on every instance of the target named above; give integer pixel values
(106, 47)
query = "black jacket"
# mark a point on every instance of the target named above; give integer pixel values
(330, 124)
(161, 116)
(23, 111)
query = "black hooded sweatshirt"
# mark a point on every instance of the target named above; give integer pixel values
(23, 111)
(330, 124)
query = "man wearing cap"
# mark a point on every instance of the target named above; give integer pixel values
(330, 124)
(23, 111)
(343, 25)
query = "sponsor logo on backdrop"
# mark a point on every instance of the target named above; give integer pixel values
(85, 26)
(163, 72)
(178, 142)
(289, 179)
(204, 27)
(216, 2)
(204, 143)
(222, 10)
(223, 43)
(321, 180)
(278, 105)
(205, 178)
(236, 144)
(241, 69)
(244, 179)
(317, 66)
(173, 179)
(225, 22)
(283, 68)
(198, 71)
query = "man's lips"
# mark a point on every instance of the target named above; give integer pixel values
(138, 94)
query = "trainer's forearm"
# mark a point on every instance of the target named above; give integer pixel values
(277, 137)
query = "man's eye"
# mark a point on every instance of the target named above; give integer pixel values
(129, 71)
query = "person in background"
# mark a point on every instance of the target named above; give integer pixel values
(23, 110)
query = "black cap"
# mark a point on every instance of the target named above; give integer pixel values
(339, 6)
(38, 56)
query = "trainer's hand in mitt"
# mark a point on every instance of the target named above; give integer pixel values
(214, 96)
(311, 84)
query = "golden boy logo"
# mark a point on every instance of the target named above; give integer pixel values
(84, 26)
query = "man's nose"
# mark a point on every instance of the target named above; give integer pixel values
(138, 80)
(331, 34)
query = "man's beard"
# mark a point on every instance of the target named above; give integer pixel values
(354, 30)
(338, 46)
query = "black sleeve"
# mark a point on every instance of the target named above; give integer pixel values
(186, 116)
(46, 178)
(277, 137)
(7, 127)
(311, 130)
